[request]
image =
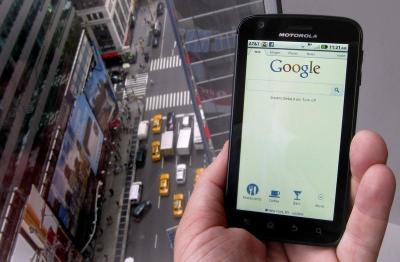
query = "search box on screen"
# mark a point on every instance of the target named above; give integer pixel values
(309, 88)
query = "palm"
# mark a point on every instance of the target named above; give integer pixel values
(203, 234)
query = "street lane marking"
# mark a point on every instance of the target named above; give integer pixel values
(162, 162)
(189, 193)
(155, 241)
(165, 63)
(169, 100)
(190, 160)
(159, 200)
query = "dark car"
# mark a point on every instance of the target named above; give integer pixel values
(141, 157)
(140, 210)
(160, 9)
(156, 41)
(170, 121)
(116, 77)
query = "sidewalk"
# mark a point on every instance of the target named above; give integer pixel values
(140, 39)
(108, 227)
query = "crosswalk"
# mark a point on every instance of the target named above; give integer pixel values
(168, 100)
(137, 86)
(165, 63)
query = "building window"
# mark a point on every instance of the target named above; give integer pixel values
(121, 17)
(118, 26)
(101, 15)
(89, 17)
(95, 16)
(8, 23)
(103, 37)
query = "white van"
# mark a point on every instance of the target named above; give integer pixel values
(135, 192)
(143, 130)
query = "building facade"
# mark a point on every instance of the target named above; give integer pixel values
(107, 23)
(206, 35)
(46, 65)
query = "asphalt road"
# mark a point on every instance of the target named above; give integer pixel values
(147, 240)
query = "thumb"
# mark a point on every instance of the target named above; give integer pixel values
(205, 208)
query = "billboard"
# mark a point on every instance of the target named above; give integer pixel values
(99, 93)
(69, 184)
(43, 236)
(84, 128)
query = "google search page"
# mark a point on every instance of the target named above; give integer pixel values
(292, 122)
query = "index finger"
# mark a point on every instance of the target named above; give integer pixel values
(367, 149)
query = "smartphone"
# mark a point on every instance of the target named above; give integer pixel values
(293, 117)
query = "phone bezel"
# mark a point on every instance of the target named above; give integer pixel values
(329, 30)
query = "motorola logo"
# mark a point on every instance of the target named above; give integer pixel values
(298, 35)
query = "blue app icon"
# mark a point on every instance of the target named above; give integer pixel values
(252, 189)
(275, 194)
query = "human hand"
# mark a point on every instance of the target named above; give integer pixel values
(203, 235)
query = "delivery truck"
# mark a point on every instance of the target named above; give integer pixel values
(197, 140)
(143, 130)
(167, 143)
(184, 142)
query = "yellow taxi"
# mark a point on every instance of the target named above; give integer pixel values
(156, 123)
(164, 184)
(155, 150)
(197, 174)
(178, 205)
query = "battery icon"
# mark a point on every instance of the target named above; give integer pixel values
(324, 46)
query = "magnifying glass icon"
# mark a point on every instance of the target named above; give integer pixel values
(336, 89)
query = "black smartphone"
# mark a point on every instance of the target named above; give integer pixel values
(293, 117)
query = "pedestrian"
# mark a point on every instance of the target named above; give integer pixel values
(100, 231)
(111, 192)
(109, 220)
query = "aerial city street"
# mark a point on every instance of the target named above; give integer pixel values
(109, 113)
(165, 174)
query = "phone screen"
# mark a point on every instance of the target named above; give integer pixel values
(292, 123)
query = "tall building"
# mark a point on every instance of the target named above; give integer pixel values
(206, 35)
(49, 74)
(107, 23)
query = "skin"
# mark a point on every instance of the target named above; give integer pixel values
(203, 235)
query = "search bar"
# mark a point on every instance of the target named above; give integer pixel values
(309, 88)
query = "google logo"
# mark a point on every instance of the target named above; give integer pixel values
(304, 70)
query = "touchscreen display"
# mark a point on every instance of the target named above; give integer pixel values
(292, 121)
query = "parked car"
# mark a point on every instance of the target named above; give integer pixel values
(156, 41)
(141, 157)
(140, 210)
(117, 77)
(170, 121)
(143, 130)
(164, 184)
(156, 123)
(132, 22)
(177, 208)
(186, 121)
(160, 8)
(181, 173)
(157, 28)
(155, 150)
(135, 192)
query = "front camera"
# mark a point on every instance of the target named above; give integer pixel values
(260, 25)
